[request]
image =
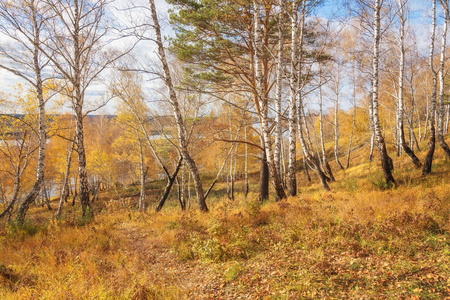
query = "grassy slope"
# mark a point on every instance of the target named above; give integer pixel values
(361, 240)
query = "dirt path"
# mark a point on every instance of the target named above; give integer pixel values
(198, 280)
(162, 266)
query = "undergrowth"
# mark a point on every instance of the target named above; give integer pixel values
(361, 240)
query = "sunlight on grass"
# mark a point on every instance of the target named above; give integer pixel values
(359, 240)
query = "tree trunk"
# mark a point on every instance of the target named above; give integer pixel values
(385, 159)
(65, 190)
(419, 121)
(142, 174)
(231, 196)
(234, 172)
(325, 163)
(263, 178)
(279, 86)
(283, 165)
(82, 171)
(441, 106)
(354, 119)
(9, 209)
(427, 117)
(305, 168)
(170, 181)
(179, 187)
(447, 119)
(411, 120)
(309, 157)
(46, 197)
(42, 121)
(292, 179)
(246, 164)
(183, 185)
(227, 175)
(189, 191)
(400, 112)
(427, 164)
(182, 136)
(262, 103)
(336, 120)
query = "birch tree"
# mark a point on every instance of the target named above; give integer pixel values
(262, 103)
(293, 87)
(79, 52)
(337, 85)
(70, 147)
(401, 76)
(23, 22)
(432, 112)
(182, 134)
(441, 105)
(386, 161)
(325, 164)
(279, 87)
(310, 159)
(16, 154)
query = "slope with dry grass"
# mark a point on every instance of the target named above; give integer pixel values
(361, 240)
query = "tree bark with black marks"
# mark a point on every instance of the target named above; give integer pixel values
(170, 180)
(18, 161)
(354, 115)
(400, 103)
(262, 103)
(65, 189)
(24, 21)
(293, 85)
(325, 163)
(432, 111)
(441, 105)
(386, 161)
(279, 86)
(173, 100)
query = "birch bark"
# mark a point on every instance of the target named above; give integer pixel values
(279, 86)
(432, 110)
(441, 105)
(182, 136)
(24, 22)
(263, 103)
(325, 163)
(381, 145)
(293, 84)
(309, 159)
(400, 104)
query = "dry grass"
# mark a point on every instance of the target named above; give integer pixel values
(361, 240)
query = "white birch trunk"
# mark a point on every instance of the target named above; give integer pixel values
(431, 113)
(354, 116)
(42, 120)
(142, 174)
(263, 103)
(66, 187)
(308, 158)
(246, 163)
(386, 162)
(400, 102)
(279, 85)
(182, 136)
(441, 106)
(325, 164)
(293, 84)
(337, 86)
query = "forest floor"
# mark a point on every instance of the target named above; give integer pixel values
(361, 240)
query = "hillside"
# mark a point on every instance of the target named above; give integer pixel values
(361, 240)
